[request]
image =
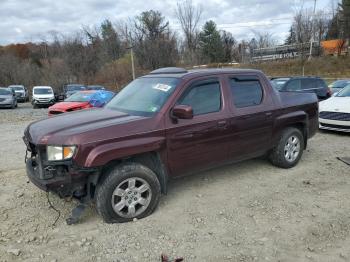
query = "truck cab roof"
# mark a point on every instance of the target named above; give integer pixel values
(177, 72)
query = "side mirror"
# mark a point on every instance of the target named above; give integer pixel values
(182, 112)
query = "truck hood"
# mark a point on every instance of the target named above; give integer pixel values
(82, 127)
(336, 104)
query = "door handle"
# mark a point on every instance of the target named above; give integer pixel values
(268, 114)
(222, 123)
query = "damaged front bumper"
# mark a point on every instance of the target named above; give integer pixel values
(62, 178)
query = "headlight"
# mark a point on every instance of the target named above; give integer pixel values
(59, 153)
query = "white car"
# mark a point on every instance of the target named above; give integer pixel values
(43, 96)
(335, 111)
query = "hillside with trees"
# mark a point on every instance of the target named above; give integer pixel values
(102, 54)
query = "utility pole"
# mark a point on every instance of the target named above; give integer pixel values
(131, 54)
(132, 62)
(312, 30)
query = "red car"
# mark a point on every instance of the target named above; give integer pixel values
(81, 100)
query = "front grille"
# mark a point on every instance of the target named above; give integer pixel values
(44, 100)
(55, 112)
(335, 126)
(335, 116)
(2, 99)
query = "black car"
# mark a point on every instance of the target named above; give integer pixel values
(303, 84)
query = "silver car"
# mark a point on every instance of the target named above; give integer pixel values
(7, 98)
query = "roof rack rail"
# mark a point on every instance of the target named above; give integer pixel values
(169, 70)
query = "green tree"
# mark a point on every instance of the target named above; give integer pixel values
(292, 37)
(210, 43)
(154, 44)
(111, 41)
(228, 43)
(345, 18)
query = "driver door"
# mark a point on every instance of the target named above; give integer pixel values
(201, 142)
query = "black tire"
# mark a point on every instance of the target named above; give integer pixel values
(35, 106)
(277, 155)
(114, 177)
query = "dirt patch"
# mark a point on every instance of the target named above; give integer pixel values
(249, 211)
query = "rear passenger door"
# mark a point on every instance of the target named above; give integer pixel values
(251, 117)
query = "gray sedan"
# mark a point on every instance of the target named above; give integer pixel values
(7, 98)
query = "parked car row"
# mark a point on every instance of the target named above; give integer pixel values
(334, 106)
(44, 96)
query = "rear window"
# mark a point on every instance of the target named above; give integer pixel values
(321, 83)
(309, 83)
(246, 92)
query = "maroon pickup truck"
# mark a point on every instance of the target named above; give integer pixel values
(167, 124)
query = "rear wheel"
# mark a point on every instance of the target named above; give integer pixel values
(128, 191)
(289, 149)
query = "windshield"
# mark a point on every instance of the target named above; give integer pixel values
(80, 97)
(340, 84)
(17, 87)
(278, 83)
(75, 87)
(42, 91)
(5, 92)
(345, 92)
(144, 96)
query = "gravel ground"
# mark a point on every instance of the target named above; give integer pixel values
(250, 211)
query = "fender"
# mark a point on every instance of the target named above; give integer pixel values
(101, 155)
(289, 119)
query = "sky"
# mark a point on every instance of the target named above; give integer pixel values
(33, 20)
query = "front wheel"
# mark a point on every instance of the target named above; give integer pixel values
(127, 191)
(289, 149)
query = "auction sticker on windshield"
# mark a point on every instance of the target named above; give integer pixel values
(162, 87)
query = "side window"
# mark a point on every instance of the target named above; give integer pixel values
(293, 85)
(246, 92)
(203, 97)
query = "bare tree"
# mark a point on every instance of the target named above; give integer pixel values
(189, 17)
